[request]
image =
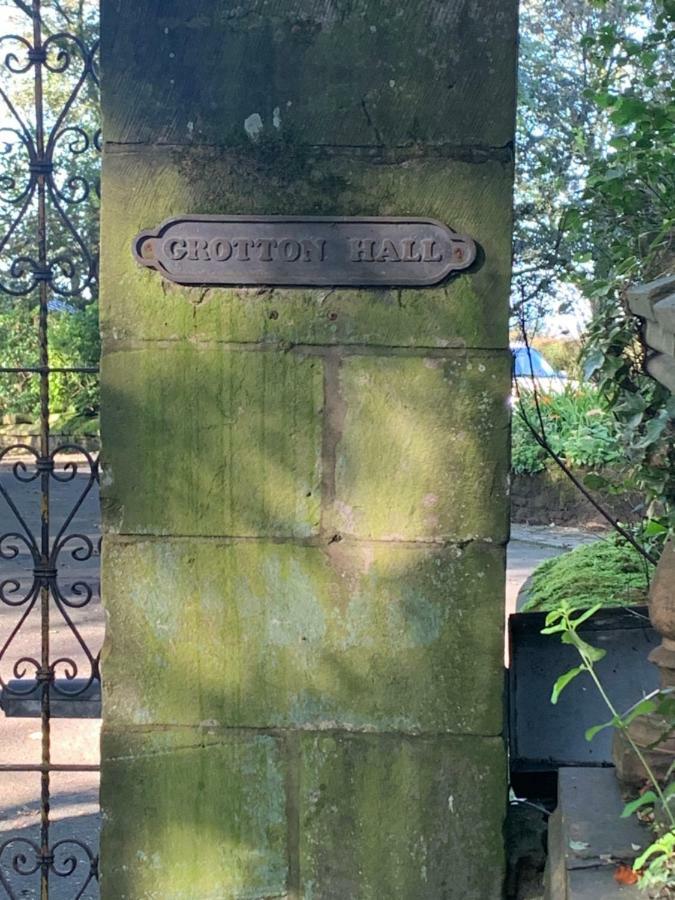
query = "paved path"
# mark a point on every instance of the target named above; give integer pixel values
(75, 804)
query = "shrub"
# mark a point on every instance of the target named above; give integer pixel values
(610, 572)
(73, 342)
(578, 426)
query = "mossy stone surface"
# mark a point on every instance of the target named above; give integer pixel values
(385, 816)
(333, 72)
(422, 453)
(352, 636)
(142, 187)
(304, 489)
(212, 442)
(191, 814)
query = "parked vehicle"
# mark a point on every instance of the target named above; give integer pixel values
(533, 371)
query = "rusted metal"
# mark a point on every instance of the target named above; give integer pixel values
(304, 250)
(43, 274)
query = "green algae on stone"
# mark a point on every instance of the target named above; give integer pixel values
(608, 571)
(422, 450)
(142, 187)
(402, 818)
(353, 636)
(192, 814)
(213, 442)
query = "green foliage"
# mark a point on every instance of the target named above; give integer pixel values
(578, 426)
(607, 572)
(624, 223)
(656, 865)
(74, 342)
(19, 392)
(560, 131)
(594, 210)
(73, 320)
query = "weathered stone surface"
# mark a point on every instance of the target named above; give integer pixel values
(360, 637)
(587, 836)
(368, 73)
(422, 448)
(664, 311)
(662, 593)
(662, 368)
(643, 297)
(405, 819)
(212, 442)
(658, 338)
(303, 664)
(192, 814)
(143, 187)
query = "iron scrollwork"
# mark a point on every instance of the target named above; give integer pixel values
(48, 256)
(49, 157)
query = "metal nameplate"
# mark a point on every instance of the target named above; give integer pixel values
(298, 250)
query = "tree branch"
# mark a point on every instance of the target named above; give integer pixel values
(24, 7)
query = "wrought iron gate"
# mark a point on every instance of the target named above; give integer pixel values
(49, 144)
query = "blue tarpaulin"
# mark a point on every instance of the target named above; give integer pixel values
(531, 364)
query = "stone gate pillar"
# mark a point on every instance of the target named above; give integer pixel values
(305, 488)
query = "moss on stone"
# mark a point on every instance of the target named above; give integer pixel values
(142, 187)
(193, 814)
(212, 442)
(258, 634)
(406, 819)
(422, 454)
(609, 571)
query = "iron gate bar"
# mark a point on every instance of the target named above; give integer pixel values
(46, 370)
(53, 767)
(46, 276)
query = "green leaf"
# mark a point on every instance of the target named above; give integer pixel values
(586, 614)
(648, 798)
(553, 629)
(593, 362)
(653, 528)
(594, 654)
(554, 616)
(596, 729)
(563, 681)
(644, 708)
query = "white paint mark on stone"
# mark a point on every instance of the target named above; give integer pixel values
(451, 803)
(276, 117)
(253, 126)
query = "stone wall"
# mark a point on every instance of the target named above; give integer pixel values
(305, 490)
(550, 498)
